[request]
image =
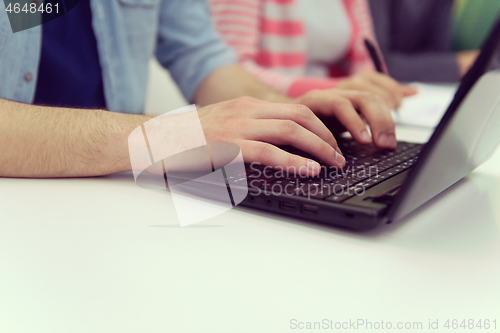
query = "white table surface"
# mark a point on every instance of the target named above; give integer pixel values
(103, 255)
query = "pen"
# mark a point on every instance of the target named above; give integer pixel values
(377, 61)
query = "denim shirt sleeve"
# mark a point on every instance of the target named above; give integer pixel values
(127, 33)
(19, 55)
(188, 45)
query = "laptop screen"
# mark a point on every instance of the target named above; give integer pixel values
(467, 135)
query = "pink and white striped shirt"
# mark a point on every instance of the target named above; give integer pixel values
(269, 38)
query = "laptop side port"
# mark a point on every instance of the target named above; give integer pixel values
(309, 209)
(289, 206)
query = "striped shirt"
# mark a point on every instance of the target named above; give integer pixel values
(270, 40)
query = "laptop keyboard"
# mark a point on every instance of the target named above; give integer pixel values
(366, 166)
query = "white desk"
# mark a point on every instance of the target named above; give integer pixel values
(102, 255)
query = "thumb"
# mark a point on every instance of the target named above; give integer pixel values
(409, 91)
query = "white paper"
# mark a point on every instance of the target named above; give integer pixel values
(427, 107)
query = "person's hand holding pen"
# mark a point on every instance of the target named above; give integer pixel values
(379, 82)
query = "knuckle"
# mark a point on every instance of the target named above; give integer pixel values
(343, 103)
(390, 122)
(302, 112)
(290, 160)
(358, 82)
(246, 99)
(241, 102)
(302, 109)
(393, 93)
(265, 152)
(383, 122)
(289, 127)
(324, 149)
(315, 92)
(369, 97)
(376, 99)
(368, 73)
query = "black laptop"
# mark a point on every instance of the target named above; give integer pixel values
(377, 186)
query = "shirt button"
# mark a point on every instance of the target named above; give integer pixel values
(28, 77)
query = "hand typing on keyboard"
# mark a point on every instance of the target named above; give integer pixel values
(257, 126)
(343, 105)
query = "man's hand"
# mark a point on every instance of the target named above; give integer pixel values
(343, 105)
(379, 84)
(233, 81)
(256, 126)
(94, 142)
(40, 142)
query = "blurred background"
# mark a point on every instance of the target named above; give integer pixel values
(469, 20)
(473, 19)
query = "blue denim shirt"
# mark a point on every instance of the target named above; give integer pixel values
(128, 34)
